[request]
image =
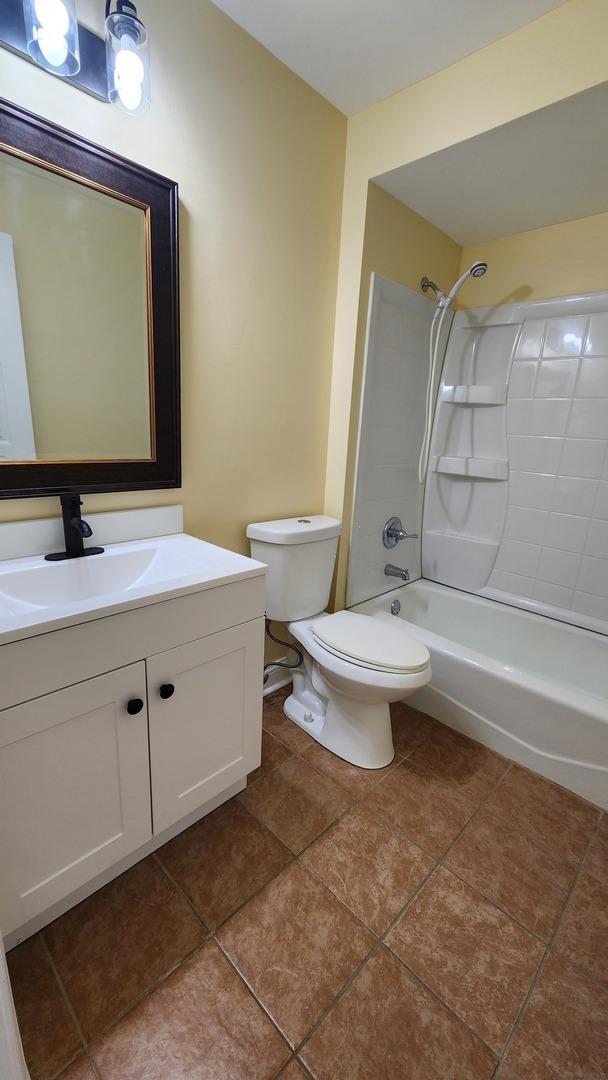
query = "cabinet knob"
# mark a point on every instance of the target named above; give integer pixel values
(134, 706)
(167, 690)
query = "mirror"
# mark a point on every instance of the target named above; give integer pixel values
(88, 316)
(73, 319)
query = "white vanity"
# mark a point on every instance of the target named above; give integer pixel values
(130, 706)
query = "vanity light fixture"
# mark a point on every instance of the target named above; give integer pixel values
(51, 34)
(115, 68)
(127, 57)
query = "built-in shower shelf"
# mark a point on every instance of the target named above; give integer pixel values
(475, 394)
(474, 468)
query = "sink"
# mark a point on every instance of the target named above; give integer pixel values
(36, 596)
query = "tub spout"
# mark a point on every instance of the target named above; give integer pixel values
(396, 571)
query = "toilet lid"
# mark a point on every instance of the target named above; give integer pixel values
(371, 642)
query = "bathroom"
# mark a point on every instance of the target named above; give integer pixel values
(219, 348)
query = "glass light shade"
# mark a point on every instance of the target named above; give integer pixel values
(51, 30)
(128, 63)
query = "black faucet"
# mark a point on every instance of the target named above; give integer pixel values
(75, 531)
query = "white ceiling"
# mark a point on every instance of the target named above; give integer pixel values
(356, 52)
(549, 166)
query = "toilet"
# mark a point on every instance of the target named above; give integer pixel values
(354, 665)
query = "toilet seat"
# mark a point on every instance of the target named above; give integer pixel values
(371, 643)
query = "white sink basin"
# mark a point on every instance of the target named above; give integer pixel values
(36, 595)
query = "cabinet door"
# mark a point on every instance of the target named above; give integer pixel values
(74, 790)
(207, 734)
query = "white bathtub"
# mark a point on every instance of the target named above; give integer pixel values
(527, 686)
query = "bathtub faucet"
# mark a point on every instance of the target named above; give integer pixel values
(396, 571)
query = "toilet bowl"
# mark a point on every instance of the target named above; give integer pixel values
(353, 666)
(341, 699)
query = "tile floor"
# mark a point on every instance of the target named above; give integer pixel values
(445, 918)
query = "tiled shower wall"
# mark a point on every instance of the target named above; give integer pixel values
(547, 541)
(390, 433)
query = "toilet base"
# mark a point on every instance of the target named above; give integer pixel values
(357, 731)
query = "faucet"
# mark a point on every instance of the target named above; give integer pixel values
(393, 532)
(396, 571)
(75, 530)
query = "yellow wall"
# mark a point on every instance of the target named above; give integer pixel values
(80, 261)
(402, 246)
(558, 55)
(554, 261)
(259, 157)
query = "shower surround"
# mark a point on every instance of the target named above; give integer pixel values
(516, 503)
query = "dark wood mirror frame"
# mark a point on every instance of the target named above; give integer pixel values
(41, 142)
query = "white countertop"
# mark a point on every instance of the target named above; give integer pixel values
(37, 596)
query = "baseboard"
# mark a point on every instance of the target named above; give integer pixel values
(277, 677)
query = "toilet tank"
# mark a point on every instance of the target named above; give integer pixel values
(300, 554)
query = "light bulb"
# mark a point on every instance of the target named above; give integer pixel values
(52, 34)
(54, 47)
(53, 17)
(129, 76)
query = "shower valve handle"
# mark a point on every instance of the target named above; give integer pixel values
(393, 532)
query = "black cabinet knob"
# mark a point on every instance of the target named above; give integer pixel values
(167, 690)
(134, 706)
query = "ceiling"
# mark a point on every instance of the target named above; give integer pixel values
(549, 166)
(356, 52)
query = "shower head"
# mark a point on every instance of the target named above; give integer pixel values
(478, 269)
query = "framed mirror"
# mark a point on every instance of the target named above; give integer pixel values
(89, 316)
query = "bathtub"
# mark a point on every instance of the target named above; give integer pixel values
(524, 685)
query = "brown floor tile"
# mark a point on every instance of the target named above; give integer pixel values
(513, 870)
(48, 1034)
(295, 801)
(563, 1034)
(80, 1070)
(295, 945)
(273, 754)
(223, 859)
(118, 942)
(426, 808)
(505, 1072)
(470, 767)
(556, 817)
(410, 727)
(582, 935)
(387, 1026)
(350, 777)
(597, 862)
(369, 866)
(200, 1024)
(275, 721)
(472, 955)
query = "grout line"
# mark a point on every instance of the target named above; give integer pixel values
(179, 890)
(549, 946)
(259, 1003)
(101, 1034)
(64, 993)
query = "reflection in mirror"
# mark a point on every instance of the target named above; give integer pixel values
(74, 320)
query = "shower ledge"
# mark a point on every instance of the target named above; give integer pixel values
(475, 394)
(473, 468)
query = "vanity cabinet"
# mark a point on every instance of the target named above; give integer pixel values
(74, 789)
(206, 730)
(97, 774)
